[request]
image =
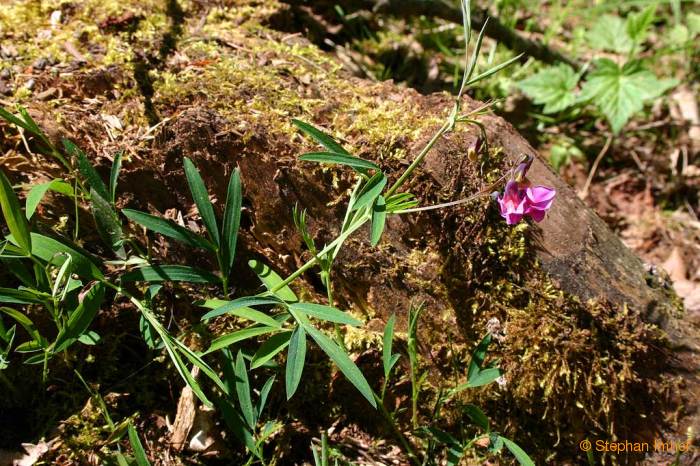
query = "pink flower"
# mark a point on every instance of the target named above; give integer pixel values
(538, 200)
(512, 203)
(519, 200)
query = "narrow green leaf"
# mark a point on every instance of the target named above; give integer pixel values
(370, 191)
(477, 416)
(240, 307)
(326, 313)
(388, 342)
(201, 200)
(14, 120)
(86, 169)
(170, 273)
(270, 349)
(27, 323)
(478, 356)
(114, 176)
(264, 393)
(37, 193)
(295, 360)
(271, 280)
(54, 252)
(339, 357)
(139, 452)
(239, 335)
(196, 359)
(81, 318)
(243, 391)
(108, 225)
(518, 452)
(168, 228)
(15, 219)
(360, 165)
(12, 296)
(378, 220)
(320, 137)
(232, 221)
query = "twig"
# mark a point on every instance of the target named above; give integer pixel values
(583, 194)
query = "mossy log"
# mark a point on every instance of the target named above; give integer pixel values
(595, 342)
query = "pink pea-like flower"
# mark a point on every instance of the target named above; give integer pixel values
(520, 199)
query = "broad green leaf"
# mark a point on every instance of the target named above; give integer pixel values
(168, 228)
(139, 452)
(89, 338)
(54, 252)
(243, 391)
(295, 360)
(378, 220)
(327, 313)
(86, 169)
(108, 225)
(239, 335)
(271, 281)
(320, 137)
(240, 307)
(637, 24)
(370, 191)
(81, 318)
(114, 176)
(477, 416)
(360, 165)
(170, 273)
(37, 193)
(201, 199)
(609, 33)
(232, 221)
(518, 452)
(15, 219)
(339, 357)
(552, 87)
(13, 296)
(619, 93)
(270, 349)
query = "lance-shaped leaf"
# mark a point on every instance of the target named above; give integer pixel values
(378, 220)
(272, 281)
(86, 169)
(37, 193)
(15, 219)
(518, 452)
(295, 360)
(370, 191)
(232, 221)
(108, 225)
(54, 252)
(170, 273)
(270, 349)
(139, 452)
(168, 228)
(241, 307)
(201, 200)
(81, 318)
(239, 335)
(360, 165)
(320, 137)
(114, 176)
(338, 356)
(326, 313)
(243, 391)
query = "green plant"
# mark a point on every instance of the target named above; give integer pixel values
(616, 89)
(58, 276)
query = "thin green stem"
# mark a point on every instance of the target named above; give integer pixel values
(447, 126)
(405, 442)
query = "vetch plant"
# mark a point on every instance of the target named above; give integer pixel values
(57, 275)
